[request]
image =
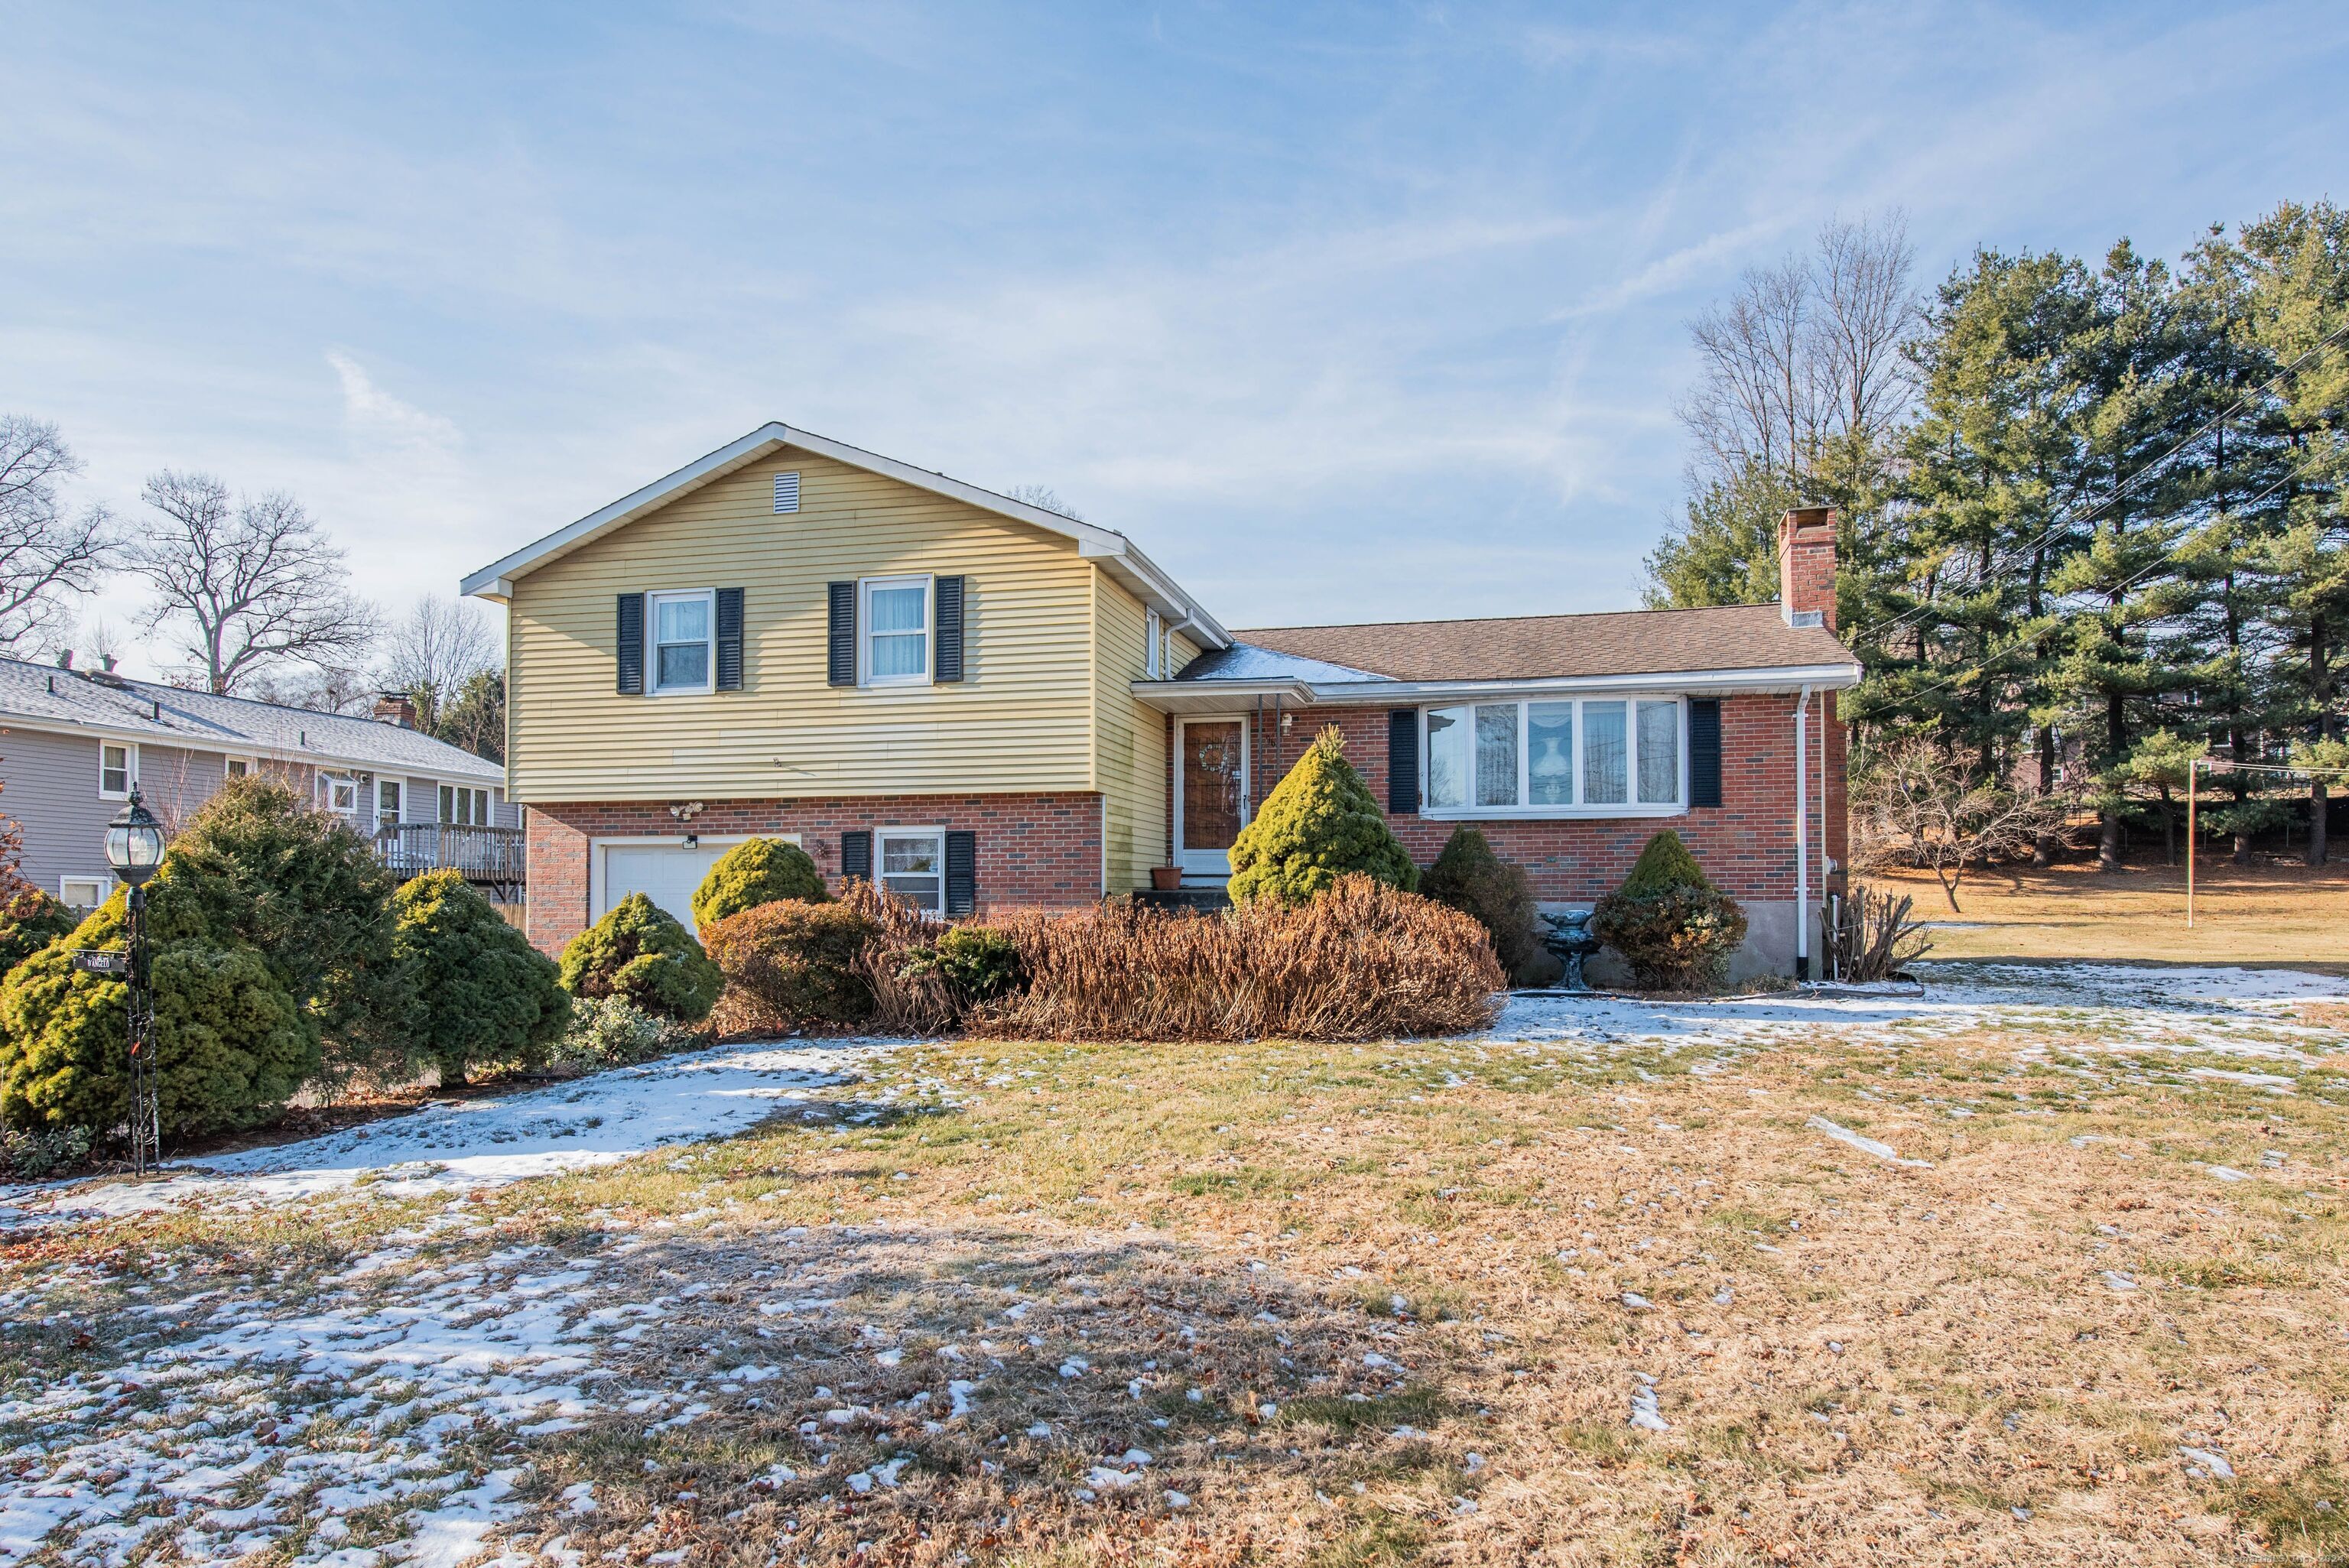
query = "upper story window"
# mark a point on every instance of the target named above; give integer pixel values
(1586, 757)
(1153, 650)
(897, 620)
(679, 627)
(117, 770)
(237, 767)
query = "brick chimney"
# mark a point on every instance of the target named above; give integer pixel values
(397, 707)
(1806, 566)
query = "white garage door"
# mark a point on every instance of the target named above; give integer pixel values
(666, 874)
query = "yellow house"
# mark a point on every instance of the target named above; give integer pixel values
(906, 673)
(978, 702)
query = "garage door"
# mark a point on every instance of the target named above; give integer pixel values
(666, 874)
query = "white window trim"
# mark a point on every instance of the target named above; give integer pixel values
(129, 749)
(653, 602)
(881, 836)
(330, 780)
(1154, 656)
(228, 764)
(865, 634)
(1579, 811)
(103, 884)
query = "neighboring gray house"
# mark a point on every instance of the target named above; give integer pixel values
(73, 742)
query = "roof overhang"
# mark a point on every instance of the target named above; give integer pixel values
(1117, 554)
(1215, 696)
(227, 745)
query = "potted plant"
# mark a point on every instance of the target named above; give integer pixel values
(1165, 879)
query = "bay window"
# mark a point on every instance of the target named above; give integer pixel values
(1555, 758)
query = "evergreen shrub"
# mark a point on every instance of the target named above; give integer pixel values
(614, 1032)
(790, 966)
(1469, 877)
(29, 921)
(639, 951)
(232, 1045)
(1673, 928)
(263, 867)
(756, 871)
(1319, 824)
(484, 994)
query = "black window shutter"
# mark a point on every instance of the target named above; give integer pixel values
(856, 854)
(841, 645)
(1704, 751)
(1402, 761)
(962, 871)
(949, 634)
(630, 642)
(730, 639)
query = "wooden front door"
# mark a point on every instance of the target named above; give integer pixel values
(1211, 795)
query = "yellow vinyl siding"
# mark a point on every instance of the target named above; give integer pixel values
(1021, 719)
(1133, 743)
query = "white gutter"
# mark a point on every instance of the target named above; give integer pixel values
(1788, 678)
(246, 746)
(1802, 840)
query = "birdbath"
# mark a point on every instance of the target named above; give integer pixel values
(1570, 937)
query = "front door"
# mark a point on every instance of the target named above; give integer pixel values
(1211, 803)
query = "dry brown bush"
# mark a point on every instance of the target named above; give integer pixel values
(1362, 962)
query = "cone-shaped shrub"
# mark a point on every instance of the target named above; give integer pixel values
(29, 921)
(1472, 878)
(756, 871)
(639, 951)
(232, 1044)
(483, 994)
(1671, 926)
(1319, 823)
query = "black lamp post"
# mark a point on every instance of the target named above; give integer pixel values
(134, 848)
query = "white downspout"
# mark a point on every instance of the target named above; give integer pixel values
(1802, 838)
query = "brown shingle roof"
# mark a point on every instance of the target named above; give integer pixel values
(1537, 647)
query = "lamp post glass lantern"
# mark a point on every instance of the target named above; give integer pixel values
(134, 848)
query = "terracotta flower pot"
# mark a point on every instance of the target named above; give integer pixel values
(1165, 879)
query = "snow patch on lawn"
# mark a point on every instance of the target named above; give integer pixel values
(463, 1144)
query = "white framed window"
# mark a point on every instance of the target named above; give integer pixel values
(465, 808)
(81, 894)
(1577, 757)
(680, 652)
(387, 792)
(1153, 650)
(118, 769)
(914, 865)
(237, 767)
(895, 644)
(340, 795)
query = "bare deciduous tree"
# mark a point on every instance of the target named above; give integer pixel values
(248, 585)
(1916, 804)
(47, 551)
(432, 651)
(1805, 356)
(1046, 496)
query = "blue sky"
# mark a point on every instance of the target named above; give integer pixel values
(1343, 312)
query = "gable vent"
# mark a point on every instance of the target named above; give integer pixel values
(787, 492)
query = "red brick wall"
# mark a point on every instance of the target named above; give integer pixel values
(1034, 850)
(1746, 844)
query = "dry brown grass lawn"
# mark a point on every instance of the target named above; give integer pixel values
(1382, 1304)
(2268, 913)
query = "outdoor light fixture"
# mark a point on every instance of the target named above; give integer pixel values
(134, 844)
(134, 848)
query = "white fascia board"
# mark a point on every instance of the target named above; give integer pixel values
(1216, 696)
(496, 581)
(1791, 678)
